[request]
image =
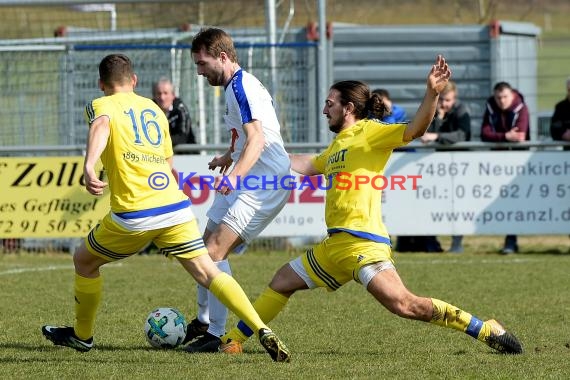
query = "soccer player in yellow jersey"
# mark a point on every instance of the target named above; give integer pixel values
(129, 133)
(358, 246)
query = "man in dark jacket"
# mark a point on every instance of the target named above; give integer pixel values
(506, 116)
(560, 122)
(506, 119)
(451, 124)
(176, 112)
(179, 121)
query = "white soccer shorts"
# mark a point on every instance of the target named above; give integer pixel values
(247, 213)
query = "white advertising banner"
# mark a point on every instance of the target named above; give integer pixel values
(498, 192)
(304, 214)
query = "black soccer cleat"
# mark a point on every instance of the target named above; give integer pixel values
(502, 340)
(65, 336)
(195, 329)
(274, 347)
(207, 343)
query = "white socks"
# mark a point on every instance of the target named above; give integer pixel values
(210, 309)
(203, 310)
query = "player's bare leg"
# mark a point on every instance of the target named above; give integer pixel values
(387, 287)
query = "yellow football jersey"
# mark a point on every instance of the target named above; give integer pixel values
(360, 151)
(139, 143)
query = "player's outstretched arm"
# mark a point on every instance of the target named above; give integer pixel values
(437, 79)
(303, 164)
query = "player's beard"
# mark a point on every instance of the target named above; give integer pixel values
(335, 125)
(216, 79)
(334, 128)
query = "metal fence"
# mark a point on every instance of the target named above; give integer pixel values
(48, 82)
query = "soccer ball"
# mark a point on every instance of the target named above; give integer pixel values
(165, 327)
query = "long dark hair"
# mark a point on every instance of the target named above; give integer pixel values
(366, 103)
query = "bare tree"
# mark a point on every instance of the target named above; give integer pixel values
(530, 8)
(487, 10)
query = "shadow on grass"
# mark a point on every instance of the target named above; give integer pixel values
(551, 251)
(523, 251)
(249, 357)
(99, 347)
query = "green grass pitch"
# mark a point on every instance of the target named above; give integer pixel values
(341, 335)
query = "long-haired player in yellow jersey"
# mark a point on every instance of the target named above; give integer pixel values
(129, 133)
(358, 245)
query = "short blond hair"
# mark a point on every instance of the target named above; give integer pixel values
(449, 87)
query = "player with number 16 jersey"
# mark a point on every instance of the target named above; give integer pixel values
(135, 158)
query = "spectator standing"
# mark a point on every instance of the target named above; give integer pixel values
(560, 122)
(179, 121)
(506, 119)
(451, 124)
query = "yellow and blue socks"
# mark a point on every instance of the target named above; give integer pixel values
(448, 315)
(268, 305)
(230, 293)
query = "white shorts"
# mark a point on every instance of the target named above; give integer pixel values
(247, 213)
